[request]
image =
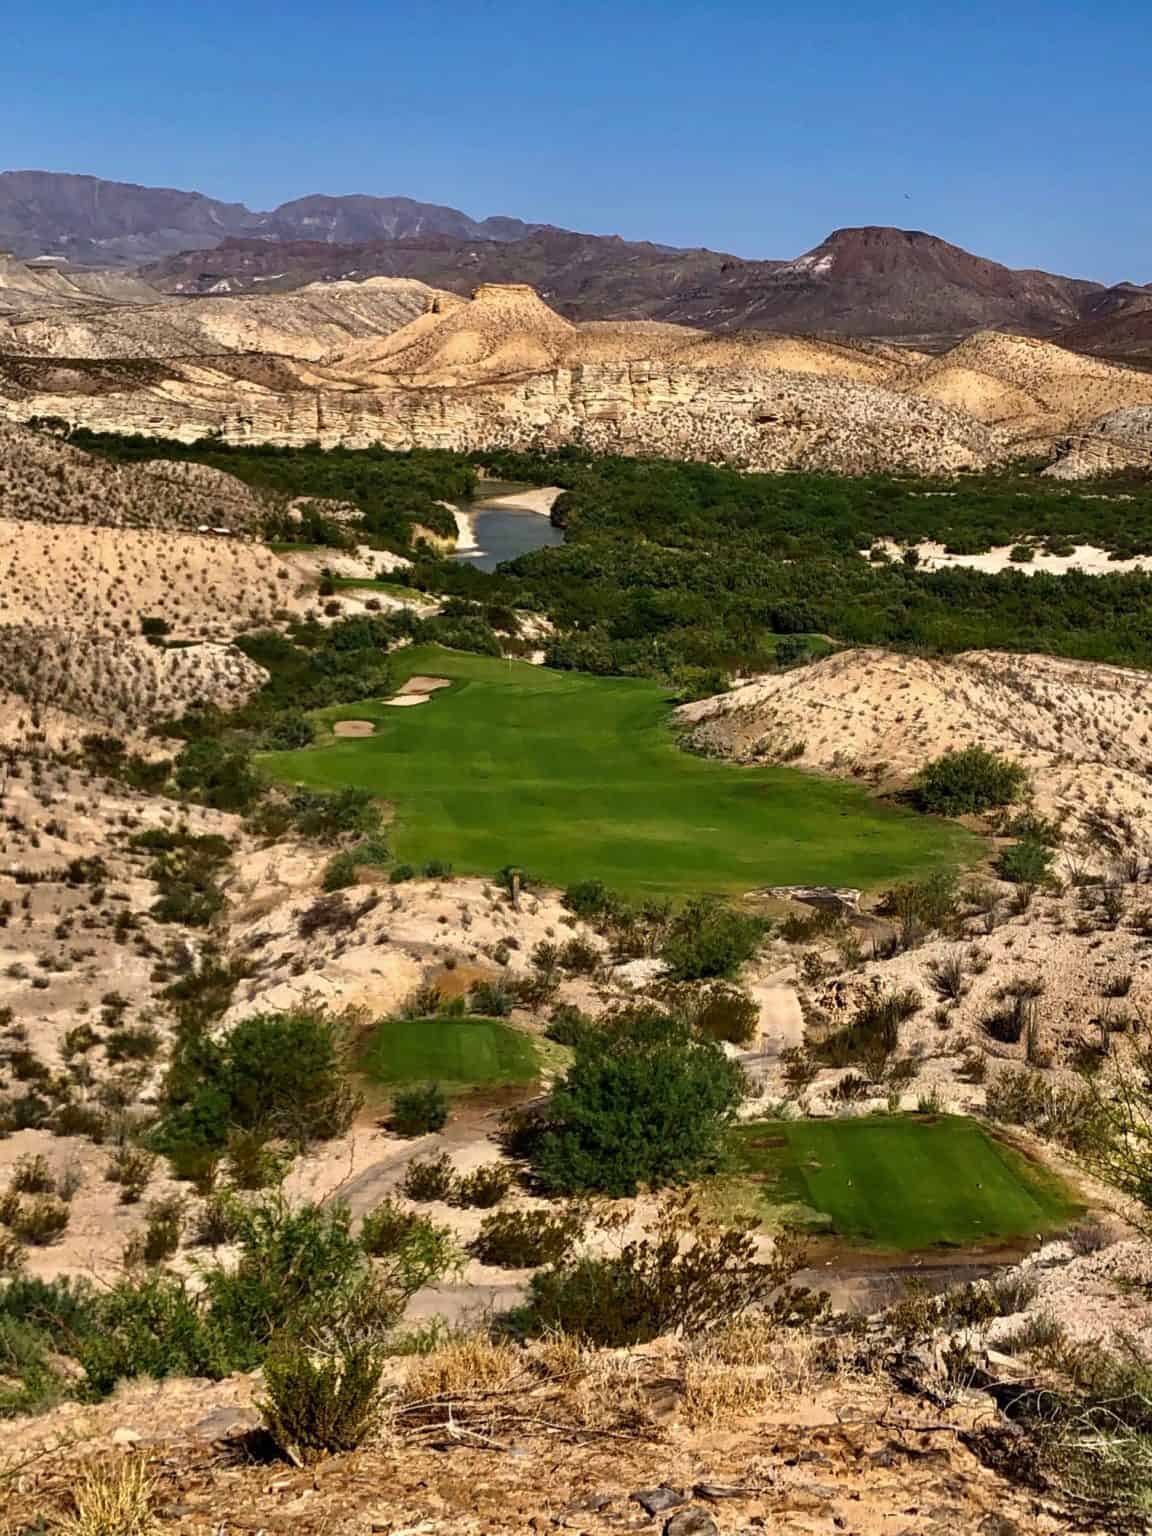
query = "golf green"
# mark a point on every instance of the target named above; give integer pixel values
(457, 1053)
(578, 777)
(905, 1182)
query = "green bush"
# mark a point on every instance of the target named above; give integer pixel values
(1026, 863)
(588, 898)
(418, 1111)
(427, 1179)
(706, 938)
(969, 781)
(154, 1327)
(646, 1101)
(685, 1276)
(41, 1221)
(416, 1251)
(526, 1239)
(318, 1404)
(281, 1074)
(490, 999)
(483, 1187)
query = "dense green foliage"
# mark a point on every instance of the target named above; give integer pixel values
(668, 566)
(581, 779)
(392, 490)
(646, 1101)
(900, 1182)
(280, 1074)
(971, 780)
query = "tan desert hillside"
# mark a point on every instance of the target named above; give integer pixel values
(393, 361)
(1083, 730)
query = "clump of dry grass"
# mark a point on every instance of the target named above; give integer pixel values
(112, 1498)
(467, 1366)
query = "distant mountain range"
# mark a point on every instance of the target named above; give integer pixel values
(870, 281)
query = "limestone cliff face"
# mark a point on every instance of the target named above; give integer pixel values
(767, 420)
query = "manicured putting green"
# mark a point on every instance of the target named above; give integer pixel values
(456, 1053)
(905, 1182)
(576, 777)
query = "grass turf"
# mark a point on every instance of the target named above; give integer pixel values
(576, 777)
(457, 1053)
(900, 1182)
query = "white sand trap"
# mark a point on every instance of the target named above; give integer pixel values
(353, 728)
(424, 684)
(405, 700)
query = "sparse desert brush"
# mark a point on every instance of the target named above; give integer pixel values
(468, 1364)
(112, 1498)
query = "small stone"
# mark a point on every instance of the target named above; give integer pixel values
(126, 1436)
(653, 1501)
(722, 1491)
(691, 1522)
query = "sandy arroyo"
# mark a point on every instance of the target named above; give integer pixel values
(1086, 558)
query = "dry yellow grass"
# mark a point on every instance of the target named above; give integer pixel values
(112, 1498)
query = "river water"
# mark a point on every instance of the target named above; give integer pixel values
(493, 528)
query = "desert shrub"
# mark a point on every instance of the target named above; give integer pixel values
(947, 975)
(685, 1275)
(401, 873)
(1025, 863)
(150, 1326)
(318, 1404)
(416, 1251)
(1070, 1113)
(717, 1009)
(922, 906)
(645, 1101)
(526, 1239)
(490, 999)
(969, 781)
(253, 1161)
(343, 868)
(31, 1175)
(418, 1111)
(580, 957)
(278, 1073)
(161, 1237)
(131, 1167)
(300, 1270)
(588, 898)
(132, 1044)
(871, 1035)
(567, 1023)
(484, 1187)
(41, 1220)
(805, 927)
(11, 1256)
(429, 1178)
(423, 1003)
(706, 938)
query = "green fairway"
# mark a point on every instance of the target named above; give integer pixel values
(902, 1182)
(578, 777)
(456, 1053)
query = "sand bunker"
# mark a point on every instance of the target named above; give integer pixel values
(423, 685)
(405, 700)
(353, 728)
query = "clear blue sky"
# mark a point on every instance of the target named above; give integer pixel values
(1022, 131)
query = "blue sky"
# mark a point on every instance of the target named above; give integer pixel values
(1021, 131)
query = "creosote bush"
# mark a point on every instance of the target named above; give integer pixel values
(418, 1111)
(969, 781)
(525, 1239)
(321, 1403)
(645, 1101)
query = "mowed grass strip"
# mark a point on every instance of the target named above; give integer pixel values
(904, 1182)
(457, 1053)
(576, 777)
